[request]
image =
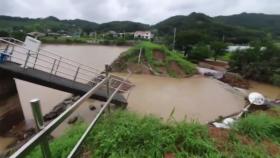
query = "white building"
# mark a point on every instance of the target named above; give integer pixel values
(237, 47)
(143, 34)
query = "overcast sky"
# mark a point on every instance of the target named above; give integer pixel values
(146, 11)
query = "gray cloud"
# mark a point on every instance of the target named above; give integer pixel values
(146, 11)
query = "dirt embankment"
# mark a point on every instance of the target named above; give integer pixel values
(139, 64)
(235, 80)
(222, 137)
(230, 78)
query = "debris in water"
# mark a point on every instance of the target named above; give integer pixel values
(72, 120)
(92, 107)
(254, 99)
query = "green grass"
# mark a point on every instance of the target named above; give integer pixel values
(170, 56)
(260, 126)
(60, 147)
(124, 134)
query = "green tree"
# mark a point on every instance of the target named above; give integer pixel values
(187, 38)
(19, 35)
(258, 63)
(218, 49)
(200, 52)
(4, 34)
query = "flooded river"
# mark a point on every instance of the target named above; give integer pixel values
(96, 56)
(198, 98)
(269, 91)
(195, 98)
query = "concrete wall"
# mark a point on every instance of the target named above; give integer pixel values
(10, 108)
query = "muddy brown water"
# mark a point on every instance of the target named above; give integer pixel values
(269, 91)
(196, 98)
(96, 56)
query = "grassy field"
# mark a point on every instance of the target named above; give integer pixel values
(148, 58)
(124, 134)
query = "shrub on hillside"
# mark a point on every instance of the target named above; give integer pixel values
(200, 52)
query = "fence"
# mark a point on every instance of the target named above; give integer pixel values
(53, 64)
(41, 136)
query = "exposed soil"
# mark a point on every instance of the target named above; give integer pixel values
(214, 65)
(159, 56)
(162, 70)
(217, 63)
(122, 65)
(139, 68)
(169, 155)
(174, 67)
(235, 80)
(270, 111)
(220, 136)
(272, 148)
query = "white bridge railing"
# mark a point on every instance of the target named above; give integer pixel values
(41, 138)
(14, 50)
(53, 64)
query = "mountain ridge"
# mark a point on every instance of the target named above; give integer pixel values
(250, 22)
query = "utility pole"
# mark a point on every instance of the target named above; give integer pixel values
(174, 38)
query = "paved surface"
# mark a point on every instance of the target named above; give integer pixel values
(56, 82)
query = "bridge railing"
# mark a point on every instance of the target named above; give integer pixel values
(43, 134)
(54, 64)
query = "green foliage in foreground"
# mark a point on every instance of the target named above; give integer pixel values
(260, 126)
(125, 134)
(62, 146)
(148, 49)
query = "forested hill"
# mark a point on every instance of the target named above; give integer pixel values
(43, 24)
(264, 22)
(54, 24)
(200, 27)
(121, 26)
(244, 26)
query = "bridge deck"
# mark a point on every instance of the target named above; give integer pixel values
(56, 82)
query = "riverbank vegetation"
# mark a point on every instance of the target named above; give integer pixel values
(126, 134)
(150, 58)
(86, 40)
(261, 63)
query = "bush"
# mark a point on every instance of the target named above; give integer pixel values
(200, 52)
(276, 79)
(257, 64)
(260, 126)
(218, 49)
(120, 42)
